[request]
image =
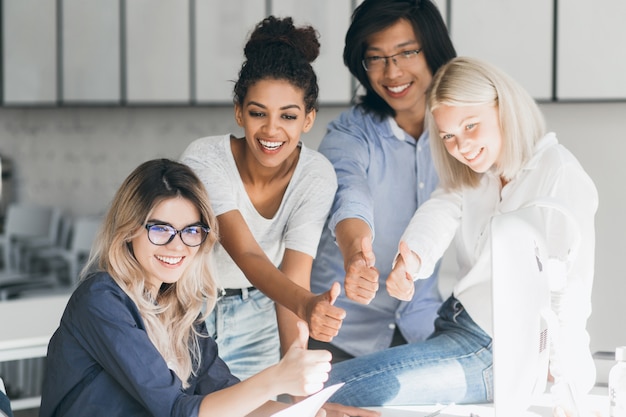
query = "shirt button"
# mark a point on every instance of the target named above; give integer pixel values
(419, 148)
(392, 325)
(421, 185)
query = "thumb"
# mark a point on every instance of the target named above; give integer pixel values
(334, 292)
(302, 341)
(368, 251)
(410, 263)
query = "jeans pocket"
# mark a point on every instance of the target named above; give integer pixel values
(261, 302)
(488, 381)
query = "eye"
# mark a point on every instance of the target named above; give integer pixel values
(374, 59)
(193, 230)
(161, 228)
(408, 54)
(447, 136)
(289, 116)
(470, 126)
(256, 113)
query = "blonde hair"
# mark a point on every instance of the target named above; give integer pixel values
(169, 319)
(468, 81)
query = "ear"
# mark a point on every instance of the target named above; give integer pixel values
(239, 115)
(309, 119)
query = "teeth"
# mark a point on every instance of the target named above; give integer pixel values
(270, 145)
(471, 156)
(169, 259)
(399, 88)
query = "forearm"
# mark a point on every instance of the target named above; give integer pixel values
(249, 397)
(286, 327)
(349, 235)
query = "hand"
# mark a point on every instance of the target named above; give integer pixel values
(302, 371)
(323, 317)
(400, 281)
(339, 410)
(361, 281)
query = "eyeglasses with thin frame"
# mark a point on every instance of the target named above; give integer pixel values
(162, 234)
(402, 60)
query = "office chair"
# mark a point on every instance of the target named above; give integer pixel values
(23, 221)
(5, 403)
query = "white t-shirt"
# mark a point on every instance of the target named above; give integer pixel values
(298, 223)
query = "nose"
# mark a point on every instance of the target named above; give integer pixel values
(462, 143)
(271, 126)
(391, 67)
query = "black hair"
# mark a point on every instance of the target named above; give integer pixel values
(371, 17)
(278, 50)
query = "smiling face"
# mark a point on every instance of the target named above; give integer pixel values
(166, 264)
(471, 134)
(403, 89)
(273, 115)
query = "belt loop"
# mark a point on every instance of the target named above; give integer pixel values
(244, 294)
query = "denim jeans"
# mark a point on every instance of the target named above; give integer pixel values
(453, 365)
(246, 332)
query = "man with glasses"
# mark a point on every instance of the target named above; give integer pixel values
(380, 151)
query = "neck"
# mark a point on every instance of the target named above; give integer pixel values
(412, 123)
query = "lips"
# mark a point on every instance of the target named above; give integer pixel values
(269, 145)
(471, 156)
(397, 89)
(170, 260)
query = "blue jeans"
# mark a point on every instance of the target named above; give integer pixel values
(453, 365)
(246, 332)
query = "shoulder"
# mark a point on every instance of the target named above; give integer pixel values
(206, 147)
(552, 157)
(99, 294)
(354, 117)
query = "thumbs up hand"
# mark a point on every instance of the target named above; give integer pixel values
(301, 371)
(361, 282)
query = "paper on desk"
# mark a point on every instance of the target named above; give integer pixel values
(309, 406)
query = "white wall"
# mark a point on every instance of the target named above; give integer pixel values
(76, 158)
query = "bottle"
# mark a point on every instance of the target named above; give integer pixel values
(617, 384)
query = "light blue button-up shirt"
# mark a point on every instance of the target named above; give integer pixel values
(383, 175)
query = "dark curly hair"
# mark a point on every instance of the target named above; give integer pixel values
(373, 16)
(278, 50)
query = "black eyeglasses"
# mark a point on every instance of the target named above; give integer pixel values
(162, 234)
(402, 60)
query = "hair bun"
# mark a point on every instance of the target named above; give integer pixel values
(276, 35)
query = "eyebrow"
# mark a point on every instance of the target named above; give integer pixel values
(157, 221)
(288, 106)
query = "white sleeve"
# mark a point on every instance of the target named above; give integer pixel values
(433, 227)
(208, 159)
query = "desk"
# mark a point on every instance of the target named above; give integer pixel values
(27, 325)
(596, 401)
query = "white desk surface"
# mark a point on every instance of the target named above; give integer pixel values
(28, 324)
(597, 402)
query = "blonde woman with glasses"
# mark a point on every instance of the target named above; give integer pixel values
(132, 340)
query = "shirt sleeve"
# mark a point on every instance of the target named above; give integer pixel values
(208, 159)
(112, 332)
(346, 147)
(432, 228)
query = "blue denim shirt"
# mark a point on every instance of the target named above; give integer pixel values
(101, 362)
(383, 175)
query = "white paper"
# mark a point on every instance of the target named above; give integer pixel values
(309, 406)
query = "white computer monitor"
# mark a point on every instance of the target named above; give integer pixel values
(522, 316)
